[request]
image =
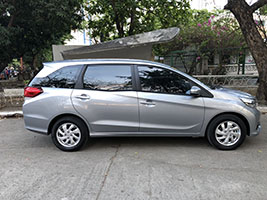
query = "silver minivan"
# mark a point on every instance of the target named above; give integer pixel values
(78, 99)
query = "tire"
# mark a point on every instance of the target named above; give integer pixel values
(218, 132)
(69, 134)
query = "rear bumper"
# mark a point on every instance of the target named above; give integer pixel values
(35, 124)
(36, 131)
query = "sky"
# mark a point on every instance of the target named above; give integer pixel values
(211, 4)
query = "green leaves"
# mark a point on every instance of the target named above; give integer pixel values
(27, 27)
(110, 19)
(208, 32)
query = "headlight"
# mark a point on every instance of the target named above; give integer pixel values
(249, 102)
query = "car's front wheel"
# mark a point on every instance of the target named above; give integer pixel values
(69, 134)
(226, 132)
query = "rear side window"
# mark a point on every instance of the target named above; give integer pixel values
(108, 78)
(62, 78)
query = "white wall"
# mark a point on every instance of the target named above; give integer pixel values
(211, 4)
(80, 37)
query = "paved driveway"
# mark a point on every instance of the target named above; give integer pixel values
(129, 168)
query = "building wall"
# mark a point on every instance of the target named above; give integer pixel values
(58, 49)
(208, 4)
(80, 37)
(143, 52)
(212, 4)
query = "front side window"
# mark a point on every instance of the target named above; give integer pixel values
(108, 78)
(62, 78)
(155, 79)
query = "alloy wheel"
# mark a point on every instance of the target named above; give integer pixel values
(68, 134)
(228, 133)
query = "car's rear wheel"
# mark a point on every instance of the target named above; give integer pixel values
(226, 132)
(69, 133)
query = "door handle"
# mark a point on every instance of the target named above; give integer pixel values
(148, 103)
(83, 97)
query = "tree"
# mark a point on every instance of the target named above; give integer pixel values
(111, 19)
(243, 12)
(28, 27)
(207, 34)
(263, 10)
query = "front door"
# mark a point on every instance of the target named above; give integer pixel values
(107, 99)
(166, 107)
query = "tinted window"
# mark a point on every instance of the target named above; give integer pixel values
(154, 79)
(62, 78)
(108, 77)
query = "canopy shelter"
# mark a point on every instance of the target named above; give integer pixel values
(137, 47)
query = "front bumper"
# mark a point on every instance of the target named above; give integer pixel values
(257, 131)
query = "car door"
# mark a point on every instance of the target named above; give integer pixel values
(166, 107)
(107, 99)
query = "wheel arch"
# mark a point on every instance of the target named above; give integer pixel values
(56, 118)
(231, 113)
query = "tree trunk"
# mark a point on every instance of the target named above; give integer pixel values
(11, 21)
(35, 65)
(132, 23)
(118, 20)
(2, 67)
(193, 66)
(244, 15)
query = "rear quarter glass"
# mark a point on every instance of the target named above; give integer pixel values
(64, 77)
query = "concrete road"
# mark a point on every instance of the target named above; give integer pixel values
(31, 167)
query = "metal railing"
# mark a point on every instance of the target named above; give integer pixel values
(249, 68)
(229, 80)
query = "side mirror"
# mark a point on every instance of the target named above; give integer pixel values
(195, 91)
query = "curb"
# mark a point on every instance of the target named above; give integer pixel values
(11, 114)
(262, 109)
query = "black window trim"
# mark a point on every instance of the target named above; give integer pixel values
(76, 77)
(79, 84)
(204, 92)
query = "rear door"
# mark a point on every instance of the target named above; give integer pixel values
(166, 106)
(108, 100)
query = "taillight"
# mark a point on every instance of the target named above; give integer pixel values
(32, 91)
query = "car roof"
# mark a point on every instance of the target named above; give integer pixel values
(59, 64)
